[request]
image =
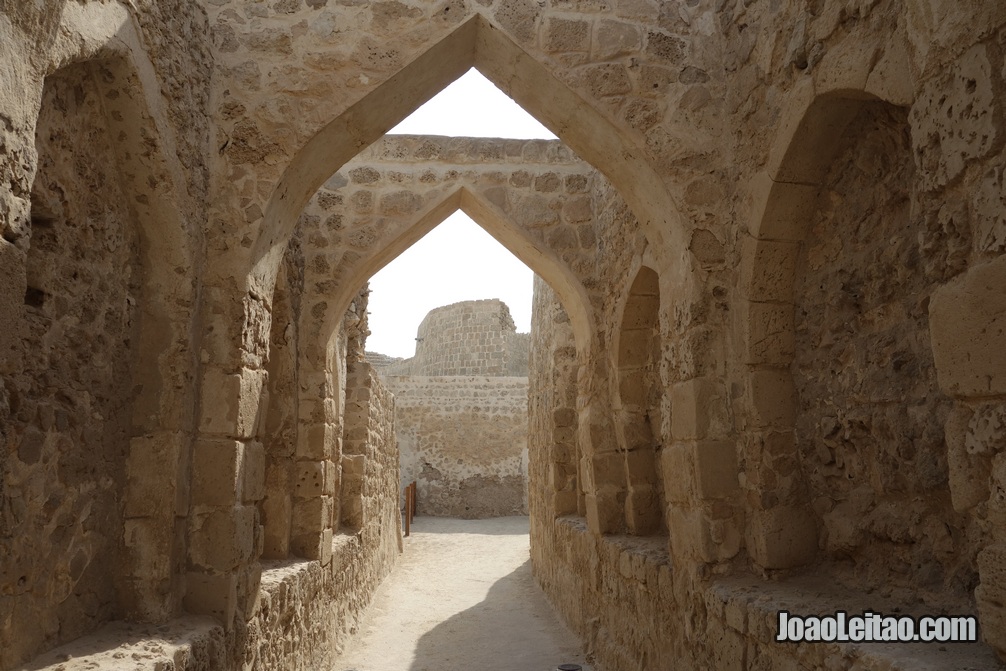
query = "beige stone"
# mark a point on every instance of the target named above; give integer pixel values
(781, 537)
(767, 320)
(967, 320)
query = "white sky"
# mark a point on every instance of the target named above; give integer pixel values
(458, 260)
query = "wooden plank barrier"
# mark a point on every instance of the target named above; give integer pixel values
(410, 506)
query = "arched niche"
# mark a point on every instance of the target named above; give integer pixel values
(638, 403)
(845, 416)
(104, 404)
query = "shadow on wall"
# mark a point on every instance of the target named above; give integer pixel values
(513, 629)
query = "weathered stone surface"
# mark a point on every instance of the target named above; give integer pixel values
(974, 365)
(188, 209)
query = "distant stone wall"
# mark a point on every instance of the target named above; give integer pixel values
(464, 441)
(461, 411)
(467, 338)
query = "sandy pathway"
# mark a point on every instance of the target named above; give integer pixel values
(462, 597)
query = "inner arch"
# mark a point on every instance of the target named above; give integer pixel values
(571, 293)
(476, 43)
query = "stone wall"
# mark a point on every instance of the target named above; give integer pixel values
(461, 411)
(463, 439)
(811, 194)
(71, 406)
(467, 338)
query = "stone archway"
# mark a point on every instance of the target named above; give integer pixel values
(476, 43)
(399, 228)
(103, 300)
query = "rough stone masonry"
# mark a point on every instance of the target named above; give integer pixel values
(461, 415)
(766, 368)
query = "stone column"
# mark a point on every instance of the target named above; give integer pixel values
(227, 479)
(968, 329)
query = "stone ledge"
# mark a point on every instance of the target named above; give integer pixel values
(183, 644)
(645, 553)
(188, 643)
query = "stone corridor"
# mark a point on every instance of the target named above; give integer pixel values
(462, 597)
(766, 352)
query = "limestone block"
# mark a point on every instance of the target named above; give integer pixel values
(311, 515)
(353, 465)
(222, 539)
(642, 307)
(604, 513)
(767, 269)
(564, 417)
(317, 442)
(767, 330)
(968, 474)
(148, 546)
(352, 487)
(325, 556)
(997, 492)
(560, 475)
(217, 472)
(643, 510)
(715, 469)
(771, 398)
(634, 347)
(677, 470)
(688, 539)
(991, 596)
(630, 392)
(151, 469)
(277, 510)
(212, 594)
(12, 291)
(782, 537)
(567, 35)
(230, 402)
(352, 513)
(614, 38)
(309, 479)
(333, 478)
(967, 323)
(636, 432)
(254, 472)
(728, 649)
(780, 210)
(698, 409)
(608, 471)
(954, 119)
(986, 428)
(564, 502)
(735, 614)
(641, 466)
(988, 207)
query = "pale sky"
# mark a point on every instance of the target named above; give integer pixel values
(458, 260)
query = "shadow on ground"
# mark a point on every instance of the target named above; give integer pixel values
(508, 631)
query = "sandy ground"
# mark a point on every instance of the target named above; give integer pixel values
(462, 597)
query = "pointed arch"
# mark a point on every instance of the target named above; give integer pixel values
(476, 43)
(543, 262)
(637, 404)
